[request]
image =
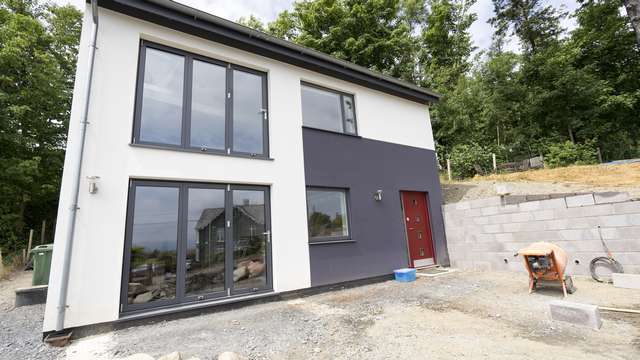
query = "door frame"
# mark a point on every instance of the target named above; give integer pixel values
(181, 298)
(404, 227)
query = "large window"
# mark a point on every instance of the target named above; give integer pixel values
(188, 242)
(194, 103)
(327, 214)
(328, 109)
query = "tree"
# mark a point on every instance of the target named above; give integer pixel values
(633, 10)
(37, 66)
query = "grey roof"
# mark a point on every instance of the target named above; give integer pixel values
(187, 19)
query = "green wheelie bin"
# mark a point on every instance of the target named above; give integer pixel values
(41, 255)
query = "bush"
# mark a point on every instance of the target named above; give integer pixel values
(568, 153)
(464, 157)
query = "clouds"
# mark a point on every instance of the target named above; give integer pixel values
(267, 10)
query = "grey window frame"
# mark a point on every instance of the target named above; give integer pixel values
(186, 104)
(181, 298)
(341, 94)
(331, 239)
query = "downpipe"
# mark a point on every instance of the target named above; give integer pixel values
(75, 185)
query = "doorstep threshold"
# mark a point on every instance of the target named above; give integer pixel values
(192, 306)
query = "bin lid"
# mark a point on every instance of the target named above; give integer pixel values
(42, 248)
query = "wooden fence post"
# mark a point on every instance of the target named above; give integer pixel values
(42, 231)
(1, 264)
(495, 165)
(599, 155)
(30, 243)
(449, 169)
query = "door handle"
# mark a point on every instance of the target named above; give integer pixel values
(268, 235)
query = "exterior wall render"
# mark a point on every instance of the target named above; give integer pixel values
(98, 249)
(377, 227)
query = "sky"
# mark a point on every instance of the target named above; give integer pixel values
(267, 10)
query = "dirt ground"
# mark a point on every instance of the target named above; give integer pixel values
(478, 189)
(461, 315)
(571, 179)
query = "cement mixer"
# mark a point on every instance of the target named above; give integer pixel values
(546, 262)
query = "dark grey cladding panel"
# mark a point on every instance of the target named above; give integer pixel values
(364, 166)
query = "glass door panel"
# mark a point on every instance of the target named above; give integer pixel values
(153, 253)
(204, 266)
(250, 240)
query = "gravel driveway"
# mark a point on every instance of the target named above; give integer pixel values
(459, 315)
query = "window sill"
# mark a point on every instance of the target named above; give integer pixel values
(196, 151)
(331, 132)
(327, 242)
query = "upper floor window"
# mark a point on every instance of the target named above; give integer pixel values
(328, 109)
(192, 102)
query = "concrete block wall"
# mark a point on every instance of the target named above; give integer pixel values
(484, 234)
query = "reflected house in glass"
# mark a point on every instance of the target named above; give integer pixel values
(233, 166)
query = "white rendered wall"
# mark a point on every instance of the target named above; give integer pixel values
(96, 267)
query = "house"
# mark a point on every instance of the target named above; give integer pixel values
(209, 163)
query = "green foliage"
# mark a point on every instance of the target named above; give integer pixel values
(467, 159)
(568, 153)
(38, 50)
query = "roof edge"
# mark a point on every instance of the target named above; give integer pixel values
(189, 20)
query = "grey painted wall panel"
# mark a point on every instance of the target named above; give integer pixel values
(364, 166)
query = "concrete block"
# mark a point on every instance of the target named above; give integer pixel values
(622, 233)
(585, 211)
(481, 220)
(508, 209)
(557, 224)
(486, 202)
(31, 295)
(514, 199)
(473, 212)
(504, 237)
(579, 234)
(573, 247)
(529, 206)
(491, 229)
(614, 220)
(491, 210)
(499, 219)
(559, 203)
(627, 281)
(463, 205)
(521, 217)
(543, 215)
(576, 313)
(617, 246)
(629, 207)
(580, 200)
(610, 197)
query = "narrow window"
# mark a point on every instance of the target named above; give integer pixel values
(189, 102)
(327, 214)
(248, 113)
(328, 110)
(161, 112)
(208, 104)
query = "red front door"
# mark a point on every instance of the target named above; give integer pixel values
(416, 219)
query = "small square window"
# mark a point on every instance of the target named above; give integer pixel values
(327, 214)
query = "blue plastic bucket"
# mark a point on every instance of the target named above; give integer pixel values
(405, 275)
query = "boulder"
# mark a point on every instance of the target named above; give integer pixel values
(172, 356)
(240, 273)
(255, 268)
(136, 289)
(140, 357)
(229, 355)
(143, 298)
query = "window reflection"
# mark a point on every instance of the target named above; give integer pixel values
(349, 115)
(247, 113)
(321, 109)
(161, 113)
(208, 105)
(249, 248)
(327, 214)
(152, 274)
(205, 242)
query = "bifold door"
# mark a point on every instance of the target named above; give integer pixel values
(188, 242)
